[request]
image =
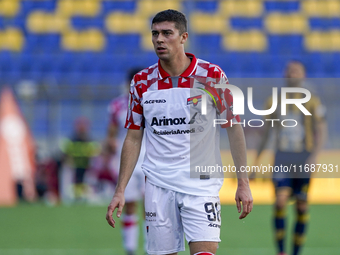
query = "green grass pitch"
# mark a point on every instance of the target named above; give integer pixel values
(62, 230)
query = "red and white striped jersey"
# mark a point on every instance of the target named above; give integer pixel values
(179, 139)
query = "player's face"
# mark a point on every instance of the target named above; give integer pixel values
(167, 41)
(295, 73)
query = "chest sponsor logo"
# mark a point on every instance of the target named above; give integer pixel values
(167, 121)
(174, 132)
(155, 101)
(194, 100)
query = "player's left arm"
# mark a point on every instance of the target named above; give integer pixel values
(239, 154)
(320, 130)
(320, 137)
(237, 146)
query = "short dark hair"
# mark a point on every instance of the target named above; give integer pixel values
(172, 16)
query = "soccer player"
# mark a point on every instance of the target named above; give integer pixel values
(134, 191)
(79, 149)
(165, 105)
(297, 145)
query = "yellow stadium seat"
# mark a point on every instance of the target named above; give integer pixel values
(9, 8)
(58, 23)
(12, 39)
(208, 23)
(317, 41)
(252, 40)
(36, 22)
(323, 41)
(89, 40)
(93, 40)
(66, 7)
(318, 8)
(118, 22)
(241, 8)
(88, 8)
(41, 22)
(147, 8)
(277, 23)
(71, 41)
(335, 40)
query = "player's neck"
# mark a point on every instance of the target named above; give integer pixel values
(177, 65)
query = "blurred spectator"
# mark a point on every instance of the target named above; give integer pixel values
(78, 151)
(102, 176)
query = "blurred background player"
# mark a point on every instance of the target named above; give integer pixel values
(103, 175)
(297, 145)
(79, 150)
(135, 189)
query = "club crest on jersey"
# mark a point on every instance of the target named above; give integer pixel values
(194, 100)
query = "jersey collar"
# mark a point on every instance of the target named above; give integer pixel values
(189, 71)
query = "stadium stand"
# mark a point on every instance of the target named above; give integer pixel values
(251, 40)
(315, 8)
(9, 8)
(242, 8)
(77, 43)
(203, 23)
(277, 23)
(11, 39)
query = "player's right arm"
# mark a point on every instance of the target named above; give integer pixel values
(129, 157)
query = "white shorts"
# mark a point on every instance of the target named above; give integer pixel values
(170, 214)
(135, 188)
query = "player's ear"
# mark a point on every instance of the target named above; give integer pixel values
(184, 37)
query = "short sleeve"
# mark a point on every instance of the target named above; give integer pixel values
(134, 118)
(226, 105)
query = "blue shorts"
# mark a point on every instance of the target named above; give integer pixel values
(295, 180)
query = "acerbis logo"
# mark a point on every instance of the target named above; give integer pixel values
(214, 225)
(156, 101)
(167, 121)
